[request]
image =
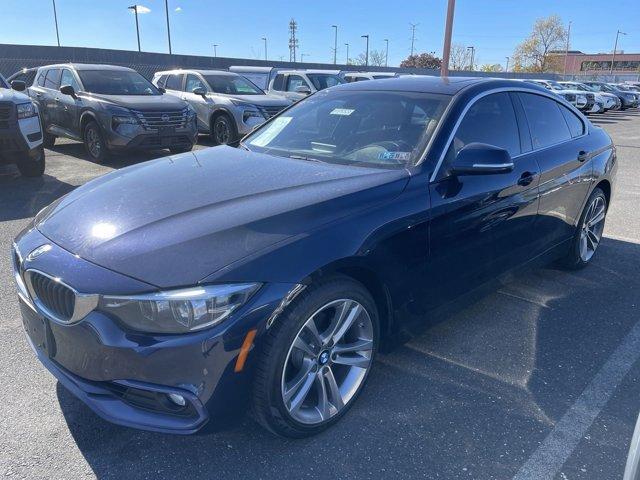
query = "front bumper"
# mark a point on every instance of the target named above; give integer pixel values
(126, 376)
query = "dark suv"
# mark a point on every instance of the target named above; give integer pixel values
(110, 109)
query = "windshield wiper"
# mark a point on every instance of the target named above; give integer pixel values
(309, 159)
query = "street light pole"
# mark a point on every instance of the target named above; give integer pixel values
(366, 57)
(473, 53)
(302, 55)
(347, 45)
(566, 51)
(135, 11)
(215, 50)
(55, 18)
(166, 9)
(507, 67)
(265, 47)
(615, 47)
(335, 44)
(386, 53)
(446, 48)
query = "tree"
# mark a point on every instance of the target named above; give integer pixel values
(376, 59)
(421, 60)
(491, 67)
(459, 57)
(533, 54)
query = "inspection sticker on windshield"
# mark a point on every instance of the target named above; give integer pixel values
(272, 130)
(395, 156)
(342, 111)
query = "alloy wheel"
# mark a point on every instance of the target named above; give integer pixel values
(328, 361)
(592, 228)
(222, 131)
(94, 143)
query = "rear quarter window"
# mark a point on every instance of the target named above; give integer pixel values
(575, 124)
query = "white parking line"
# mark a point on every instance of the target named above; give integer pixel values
(557, 447)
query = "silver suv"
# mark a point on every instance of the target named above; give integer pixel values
(228, 105)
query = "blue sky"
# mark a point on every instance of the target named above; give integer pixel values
(494, 27)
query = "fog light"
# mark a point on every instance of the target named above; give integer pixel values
(177, 399)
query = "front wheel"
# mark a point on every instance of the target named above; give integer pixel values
(223, 130)
(589, 232)
(94, 143)
(32, 165)
(316, 358)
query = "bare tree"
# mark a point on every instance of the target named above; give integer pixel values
(460, 57)
(533, 54)
(376, 59)
(491, 67)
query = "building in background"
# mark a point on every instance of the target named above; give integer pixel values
(580, 63)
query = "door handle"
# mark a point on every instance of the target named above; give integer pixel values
(526, 178)
(583, 156)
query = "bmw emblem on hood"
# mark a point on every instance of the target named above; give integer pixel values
(36, 252)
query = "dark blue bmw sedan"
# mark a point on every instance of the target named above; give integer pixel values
(169, 293)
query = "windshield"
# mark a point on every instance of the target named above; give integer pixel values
(3, 83)
(556, 85)
(324, 80)
(116, 82)
(232, 85)
(369, 128)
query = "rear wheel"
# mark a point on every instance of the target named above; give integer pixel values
(589, 232)
(94, 143)
(316, 358)
(32, 165)
(223, 130)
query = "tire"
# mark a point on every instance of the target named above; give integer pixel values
(177, 150)
(321, 365)
(588, 235)
(223, 130)
(94, 143)
(32, 166)
(48, 140)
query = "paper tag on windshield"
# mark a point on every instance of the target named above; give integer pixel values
(395, 156)
(342, 111)
(272, 130)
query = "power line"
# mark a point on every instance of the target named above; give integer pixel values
(293, 41)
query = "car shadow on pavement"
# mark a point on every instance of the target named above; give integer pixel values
(471, 397)
(117, 160)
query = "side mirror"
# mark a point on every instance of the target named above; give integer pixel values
(303, 89)
(68, 90)
(199, 91)
(161, 90)
(18, 85)
(482, 159)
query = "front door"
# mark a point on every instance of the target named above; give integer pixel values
(68, 107)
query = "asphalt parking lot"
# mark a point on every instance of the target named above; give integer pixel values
(536, 379)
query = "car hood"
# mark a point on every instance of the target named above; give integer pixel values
(174, 221)
(8, 95)
(142, 102)
(263, 100)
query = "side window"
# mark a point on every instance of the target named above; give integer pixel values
(52, 80)
(361, 79)
(546, 122)
(68, 79)
(576, 127)
(192, 83)
(295, 81)
(278, 83)
(41, 77)
(174, 82)
(162, 81)
(491, 120)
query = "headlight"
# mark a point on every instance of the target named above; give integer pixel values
(26, 110)
(124, 124)
(178, 311)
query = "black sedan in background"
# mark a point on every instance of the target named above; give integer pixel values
(166, 294)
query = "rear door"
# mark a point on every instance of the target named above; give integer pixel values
(43, 92)
(565, 166)
(174, 84)
(482, 224)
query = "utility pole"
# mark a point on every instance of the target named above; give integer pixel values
(347, 45)
(566, 51)
(473, 54)
(265, 47)
(507, 67)
(413, 36)
(215, 50)
(166, 9)
(386, 53)
(366, 57)
(446, 48)
(335, 45)
(293, 41)
(55, 18)
(135, 11)
(615, 47)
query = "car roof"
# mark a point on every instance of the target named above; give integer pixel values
(425, 84)
(195, 70)
(89, 66)
(329, 72)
